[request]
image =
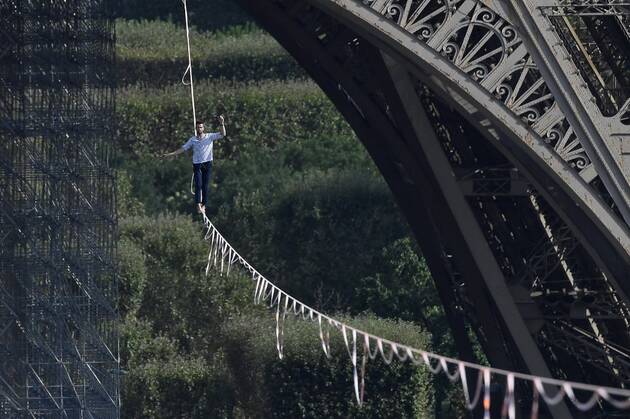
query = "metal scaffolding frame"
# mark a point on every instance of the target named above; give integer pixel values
(58, 283)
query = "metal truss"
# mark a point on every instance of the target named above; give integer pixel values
(477, 60)
(58, 283)
(513, 258)
(588, 8)
(583, 50)
(553, 284)
(599, 45)
(484, 45)
(493, 181)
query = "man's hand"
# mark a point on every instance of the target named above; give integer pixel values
(221, 122)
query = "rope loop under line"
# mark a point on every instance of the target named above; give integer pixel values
(184, 82)
(456, 370)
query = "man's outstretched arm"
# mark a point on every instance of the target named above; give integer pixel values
(179, 150)
(173, 153)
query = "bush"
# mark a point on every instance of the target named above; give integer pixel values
(327, 228)
(161, 186)
(154, 53)
(127, 202)
(172, 319)
(401, 287)
(307, 384)
(195, 346)
(165, 382)
(263, 114)
(166, 285)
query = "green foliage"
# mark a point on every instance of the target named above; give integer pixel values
(262, 114)
(295, 191)
(307, 384)
(165, 381)
(315, 248)
(173, 316)
(155, 53)
(161, 186)
(194, 346)
(169, 289)
(127, 203)
(205, 14)
(402, 287)
(133, 269)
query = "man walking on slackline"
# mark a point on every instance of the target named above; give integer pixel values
(202, 159)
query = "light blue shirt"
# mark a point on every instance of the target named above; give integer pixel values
(202, 148)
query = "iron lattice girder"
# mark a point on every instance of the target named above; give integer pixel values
(600, 49)
(547, 257)
(588, 8)
(604, 134)
(492, 182)
(587, 350)
(543, 261)
(475, 102)
(57, 269)
(484, 45)
(352, 12)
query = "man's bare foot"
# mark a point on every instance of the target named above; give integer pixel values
(200, 208)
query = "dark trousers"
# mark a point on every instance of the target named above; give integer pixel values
(201, 175)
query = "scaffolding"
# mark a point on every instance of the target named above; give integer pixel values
(59, 353)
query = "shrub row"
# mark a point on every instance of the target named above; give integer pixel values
(245, 378)
(266, 113)
(305, 383)
(205, 14)
(154, 53)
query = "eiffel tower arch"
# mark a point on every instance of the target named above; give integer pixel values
(511, 168)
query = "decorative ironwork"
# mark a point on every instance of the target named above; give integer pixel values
(486, 46)
(58, 286)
